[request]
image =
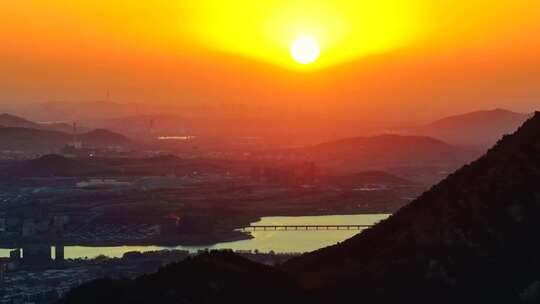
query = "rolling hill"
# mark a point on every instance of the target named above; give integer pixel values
(384, 151)
(12, 121)
(480, 128)
(31, 140)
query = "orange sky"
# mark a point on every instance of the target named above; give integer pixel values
(385, 59)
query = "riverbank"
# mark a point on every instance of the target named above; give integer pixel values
(262, 241)
(182, 240)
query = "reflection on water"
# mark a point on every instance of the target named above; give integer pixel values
(278, 241)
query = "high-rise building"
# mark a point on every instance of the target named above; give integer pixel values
(59, 254)
(37, 254)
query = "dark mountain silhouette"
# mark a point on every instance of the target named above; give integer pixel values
(43, 141)
(383, 151)
(469, 239)
(220, 277)
(480, 128)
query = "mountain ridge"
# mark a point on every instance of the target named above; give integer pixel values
(14, 121)
(47, 141)
(381, 152)
(477, 128)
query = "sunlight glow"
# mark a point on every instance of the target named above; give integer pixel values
(344, 30)
(305, 50)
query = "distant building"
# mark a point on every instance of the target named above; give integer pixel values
(77, 145)
(37, 254)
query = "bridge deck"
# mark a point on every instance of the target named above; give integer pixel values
(304, 227)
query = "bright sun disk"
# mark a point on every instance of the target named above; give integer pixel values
(305, 50)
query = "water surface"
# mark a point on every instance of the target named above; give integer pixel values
(264, 241)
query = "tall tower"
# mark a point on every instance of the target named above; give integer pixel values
(57, 233)
(76, 144)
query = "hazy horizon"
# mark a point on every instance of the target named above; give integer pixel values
(72, 111)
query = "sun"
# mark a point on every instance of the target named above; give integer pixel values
(305, 50)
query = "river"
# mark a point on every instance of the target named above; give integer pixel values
(264, 241)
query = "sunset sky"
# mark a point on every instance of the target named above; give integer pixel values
(378, 59)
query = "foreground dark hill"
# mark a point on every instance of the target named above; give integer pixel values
(470, 238)
(480, 128)
(211, 278)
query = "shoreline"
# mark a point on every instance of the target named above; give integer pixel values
(184, 241)
(194, 241)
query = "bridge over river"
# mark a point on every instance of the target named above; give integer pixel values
(303, 227)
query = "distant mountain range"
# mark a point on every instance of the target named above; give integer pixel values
(12, 121)
(475, 130)
(384, 151)
(480, 128)
(41, 141)
(470, 239)
(18, 134)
